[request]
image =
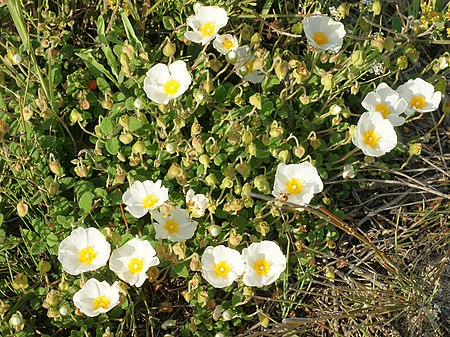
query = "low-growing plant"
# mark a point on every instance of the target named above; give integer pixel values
(203, 145)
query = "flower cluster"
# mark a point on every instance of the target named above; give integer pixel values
(148, 196)
(86, 249)
(374, 134)
(260, 264)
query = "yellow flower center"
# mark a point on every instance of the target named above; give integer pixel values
(87, 255)
(171, 226)
(101, 302)
(249, 66)
(294, 186)
(383, 109)
(418, 102)
(228, 44)
(171, 87)
(262, 267)
(207, 29)
(371, 138)
(222, 269)
(320, 38)
(149, 201)
(135, 265)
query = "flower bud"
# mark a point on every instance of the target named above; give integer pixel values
(22, 209)
(226, 183)
(327, 81)
(196, 129)
(231, 56)
(44, 267)
(402, 62)
(255, 40)
(234, 239)
(281, 69)
(376, 8)
(358, 58)
(299, 151)
(211, 180)
(75, 117)
(208, 86)
(344, 9)
(355, 88)
(197, 144)
(304, 99)
(124, 122)
(247, 137)
(415, 149)
(378, 43)
(107, 103)
(55, 167)
(179, 122)
(246, 32)
(284, 156)
(169, 49)
(261, 184)
(251, 149)
(215, 65)
(126, 138)
(244, 169)
(138, 148)
(53, 188)
(204, 160)
(17, 322)
(214, 230)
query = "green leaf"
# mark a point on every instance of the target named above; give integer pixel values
(86, 201)
(180, 270)
(106, 126)
(52, 240)
(220, 94)
(113, 145)
(38, 247)
(167, 22)
(94, 66)
(134, 124)
(102, 84)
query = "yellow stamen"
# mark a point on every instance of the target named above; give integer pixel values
(320, 38)
(207, 29)
(101, 302)
(418, 102)
(87, 255)
(222, 269)
(262, 267)
(149, 201)
(383, 109)
(171, 87)
(371, 138)
(171, 226)
(228, 44)
(135, 265)
(249, 66)
(294, 186)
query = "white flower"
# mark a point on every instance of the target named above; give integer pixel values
(177, 227)
(244, 66)
(221, 265)
(324, 33)
(225, 43)
(144, 196)
(387, 102)
(297, 182)
(17, 59)
(163, 83)
(85, 249)
(96, 297)
(374, 135)
(420, 96)
(264, 262)
(131, 261)
(205, 23)
(348, 172)
(197, 203)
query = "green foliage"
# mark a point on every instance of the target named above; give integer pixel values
(76, 128)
